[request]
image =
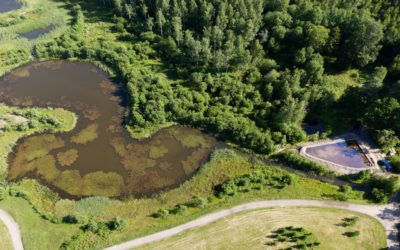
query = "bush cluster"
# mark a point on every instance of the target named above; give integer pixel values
(298, 236)
(294, 160)
(352, 234)
(382, 187)
(254, 181)
(197, 202)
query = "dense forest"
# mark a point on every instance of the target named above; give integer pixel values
(251, 71)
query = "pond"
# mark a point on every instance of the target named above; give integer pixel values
(34, 34)
(9, 5)
(345, 153)
(98, 157)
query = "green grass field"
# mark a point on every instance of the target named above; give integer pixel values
(36, 232)
(250, 230)
(5, 240)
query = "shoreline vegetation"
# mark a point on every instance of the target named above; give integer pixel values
(171, 74)
(38, 120)
(16, 50)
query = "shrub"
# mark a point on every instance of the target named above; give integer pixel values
(378, 195)
(382, 187)
(364, 175)
(199, 202)
(3, 193)
(74, 219)
(301, 238)
(395, 161)
(22, 127)
(99, 228)
(179, 209)
(162, 213)
(388, 185)
(352, 221)
(345, 189)
(254, 181)
(340, 197)
(70, 219)
(116, 224)
(352, 234)
(293, 160)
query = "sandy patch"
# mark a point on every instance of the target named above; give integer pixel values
(3, 123)
(15, 119)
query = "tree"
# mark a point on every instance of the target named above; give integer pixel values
(362, 45)
(377, 77)
(116, 224)
(378, 195)
(160, 21)
(129, 12)
(395, 67)
(315, 68)
(177, 29)
(316, 35)
(118, 6)
(384, 114)
(387, 139)
(334, 39)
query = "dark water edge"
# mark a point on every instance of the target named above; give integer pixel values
(112, 163)
(9, 5)
(34, 34)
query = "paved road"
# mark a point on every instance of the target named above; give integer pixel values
(13, 230)
(388, 215)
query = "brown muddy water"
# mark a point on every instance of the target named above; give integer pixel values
(98, 157)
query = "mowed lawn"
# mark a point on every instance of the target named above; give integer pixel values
(5, 240)
(250, 230)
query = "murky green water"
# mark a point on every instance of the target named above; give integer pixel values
(98, 157)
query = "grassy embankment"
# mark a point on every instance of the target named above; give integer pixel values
(37, 233)
(250, 230)
(5, 240)
(34, 15)
(224, 165)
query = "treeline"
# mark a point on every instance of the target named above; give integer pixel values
(278, 52)
(251, 71)
(153, 100)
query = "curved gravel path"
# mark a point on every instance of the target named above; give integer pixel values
(388, 215)
(13, 230)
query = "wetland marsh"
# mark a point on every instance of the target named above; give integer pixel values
(98, 157)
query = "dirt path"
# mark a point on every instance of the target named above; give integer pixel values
(13, 230)
(388, 215)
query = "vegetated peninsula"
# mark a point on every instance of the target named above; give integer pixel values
(123, 118)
